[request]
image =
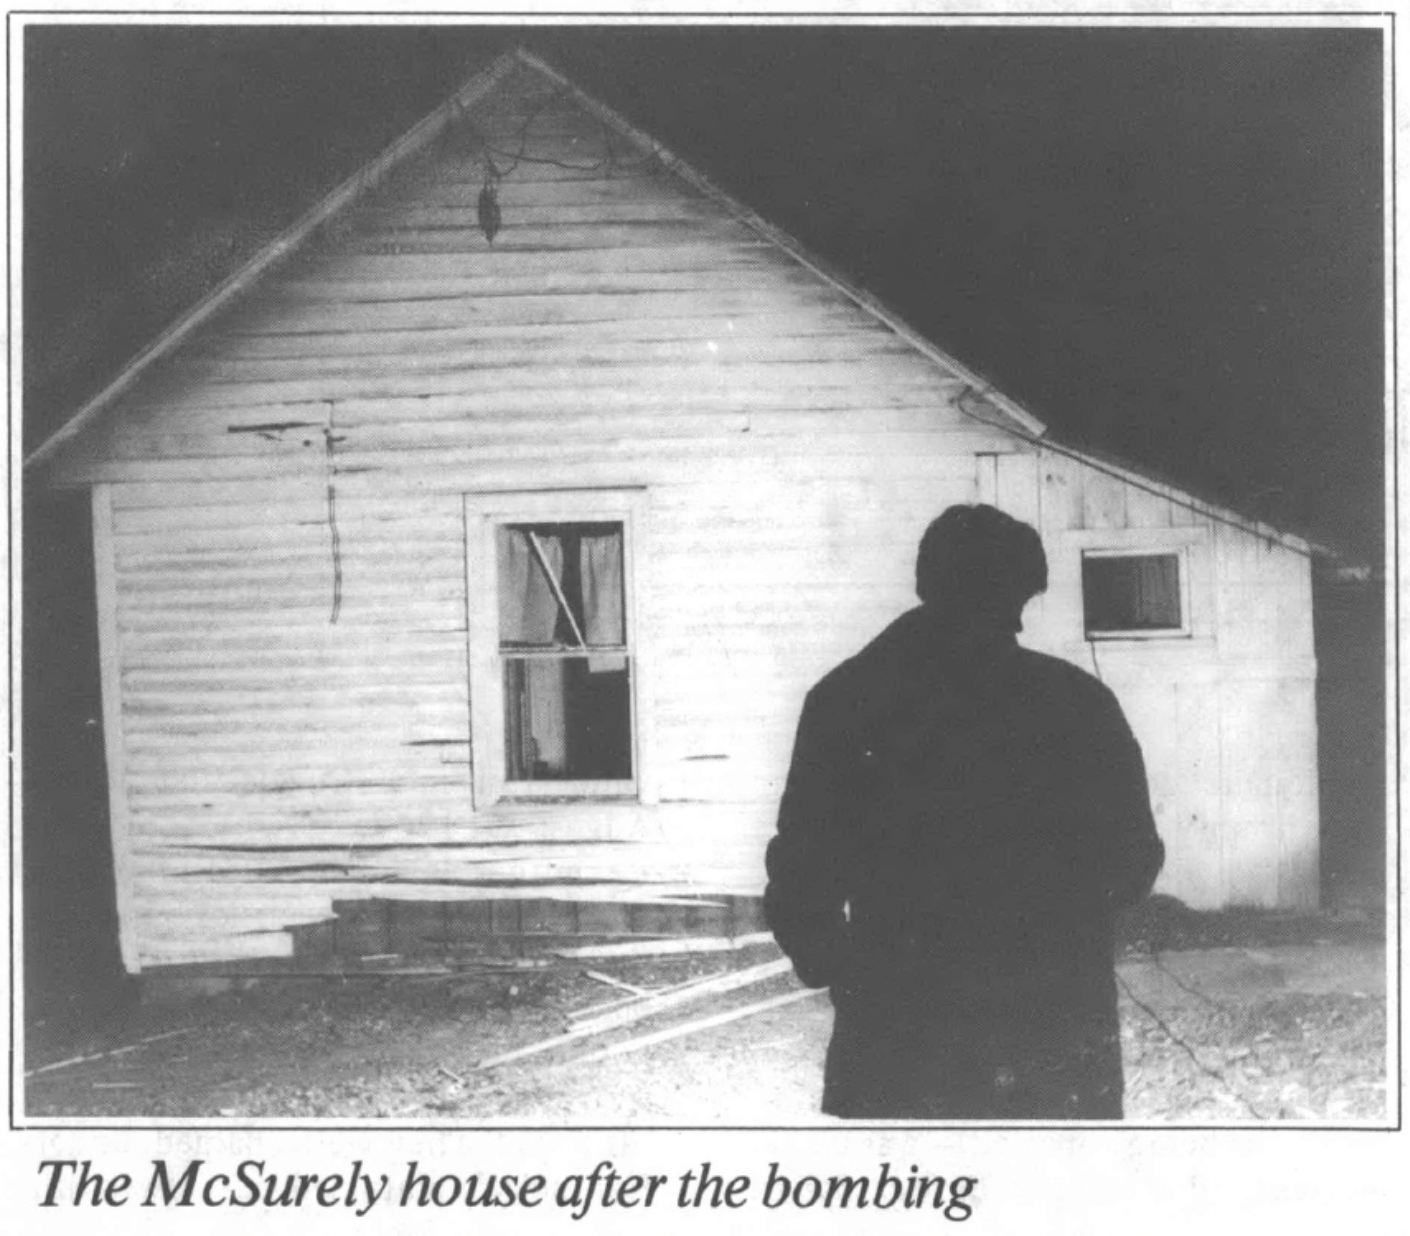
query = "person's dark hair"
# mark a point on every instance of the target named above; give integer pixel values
(977, 560)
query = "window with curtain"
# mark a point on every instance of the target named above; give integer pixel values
(1132, 594)
(565, 652)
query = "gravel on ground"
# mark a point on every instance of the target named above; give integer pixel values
(1288, 1025)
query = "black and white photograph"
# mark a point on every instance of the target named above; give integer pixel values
(680, 574)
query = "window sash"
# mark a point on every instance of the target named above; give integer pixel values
(485, 514)
(563, 724)
(1180, 628)
(561, 584)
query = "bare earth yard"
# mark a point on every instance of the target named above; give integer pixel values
(1247, 1032)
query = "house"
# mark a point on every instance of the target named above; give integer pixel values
(474, 547)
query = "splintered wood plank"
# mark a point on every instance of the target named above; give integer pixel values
(665, 948)
(648, 1008)
(695, 1027)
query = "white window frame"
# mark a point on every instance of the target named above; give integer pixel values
(1180, 553)
(484, 513)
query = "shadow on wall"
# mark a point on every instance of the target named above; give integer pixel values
(69, 936)
(1351, 703)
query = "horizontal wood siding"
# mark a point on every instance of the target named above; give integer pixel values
(286, 639)
(292, 665)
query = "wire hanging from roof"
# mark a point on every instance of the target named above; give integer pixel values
(488, 211)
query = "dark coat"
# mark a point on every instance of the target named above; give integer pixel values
(962, 818)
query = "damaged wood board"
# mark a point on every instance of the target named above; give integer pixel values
(644, 1041)
(662, 948)
(646, 1008)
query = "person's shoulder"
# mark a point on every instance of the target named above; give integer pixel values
(1064, 678)
(888, 654)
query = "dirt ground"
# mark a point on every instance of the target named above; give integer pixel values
(1288, 1026)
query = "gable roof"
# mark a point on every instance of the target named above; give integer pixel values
(982, 402)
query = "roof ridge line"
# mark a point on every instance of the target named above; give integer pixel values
(800, 253)
(282, 247)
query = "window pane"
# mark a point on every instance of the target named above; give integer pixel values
(561, 586)
(567, 718)
(1140, 592)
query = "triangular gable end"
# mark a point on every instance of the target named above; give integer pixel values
(981, 402)
(988, 405)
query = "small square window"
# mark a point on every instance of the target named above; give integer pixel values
(1132, 594)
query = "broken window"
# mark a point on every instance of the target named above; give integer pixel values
(566, 659)
(1132, 593)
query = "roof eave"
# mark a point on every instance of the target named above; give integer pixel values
(1144, 479)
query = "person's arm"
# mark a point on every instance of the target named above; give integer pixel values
(806, 860)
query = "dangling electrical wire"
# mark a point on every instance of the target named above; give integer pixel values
(488, 212)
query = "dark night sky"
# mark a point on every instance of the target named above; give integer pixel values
(1166, 242)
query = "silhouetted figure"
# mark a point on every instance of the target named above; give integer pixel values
(961, 820)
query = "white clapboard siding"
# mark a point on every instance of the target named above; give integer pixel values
(284, 553)
(782, 326)
(364, 444)
(474, 358)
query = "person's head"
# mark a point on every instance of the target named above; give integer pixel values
(977, 562)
